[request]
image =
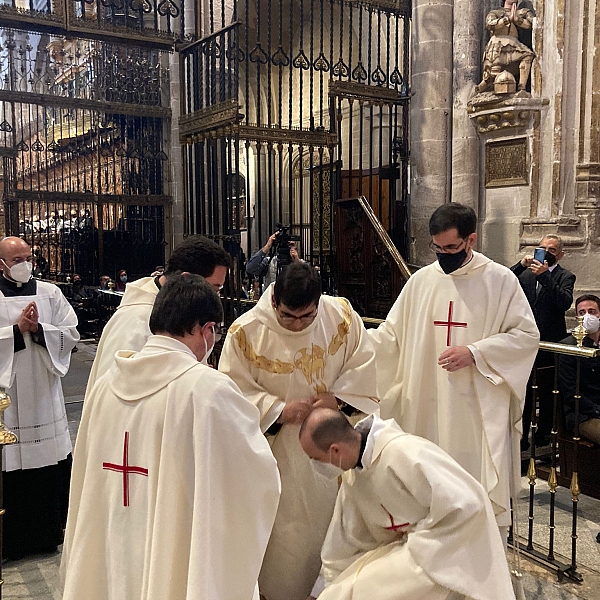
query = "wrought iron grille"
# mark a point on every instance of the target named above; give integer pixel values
(307, 102)
(83, 126)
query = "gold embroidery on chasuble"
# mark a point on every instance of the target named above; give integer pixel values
(311, 362)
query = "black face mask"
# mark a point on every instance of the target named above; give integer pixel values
(550, 259)
(451, 262)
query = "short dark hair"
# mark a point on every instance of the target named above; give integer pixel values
(182, 302)
(198, 255)
(588, 298)
(453, 216)
(332, 429)
(298, 286)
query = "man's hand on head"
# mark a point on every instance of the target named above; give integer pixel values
(538, 268)
(296, 411)
(325, 401)
(456, 358)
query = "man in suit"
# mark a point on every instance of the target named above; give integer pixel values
(549, 290)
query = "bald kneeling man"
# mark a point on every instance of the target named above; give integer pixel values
(409, 523)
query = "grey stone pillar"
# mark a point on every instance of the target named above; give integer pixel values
(431, 117)
(176, 162)
(468, 40)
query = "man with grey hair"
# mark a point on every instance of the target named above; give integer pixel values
(549, 291)
(409, 523)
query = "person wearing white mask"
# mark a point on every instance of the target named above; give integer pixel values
(409, 523)
(174, 489)
(38, 330)
(588, 307)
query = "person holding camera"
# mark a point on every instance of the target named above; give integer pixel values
(549, 291)
(264, 262)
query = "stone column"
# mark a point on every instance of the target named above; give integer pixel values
(431, 117)
(177, 181)
(469, 20)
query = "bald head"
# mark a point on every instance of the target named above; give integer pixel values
(328, 436)
(14, 250)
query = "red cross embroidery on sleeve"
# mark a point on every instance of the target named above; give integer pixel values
(126, 469)
(449, 323)
(393, 527)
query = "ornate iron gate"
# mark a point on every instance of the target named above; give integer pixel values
(288, 106)
(84, 121)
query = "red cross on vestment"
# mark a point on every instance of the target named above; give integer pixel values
(449, 323)
(393, 527)
(125, 468)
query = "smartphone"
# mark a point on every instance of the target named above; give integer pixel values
(540, 255)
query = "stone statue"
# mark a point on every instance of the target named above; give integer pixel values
(504, 51)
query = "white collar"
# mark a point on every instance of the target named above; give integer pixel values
(377, 426)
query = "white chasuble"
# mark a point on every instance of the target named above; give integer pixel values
(31, 377)
(174, 488)
(272, 366)
(128, 328)
(412, 525)
(474, 414)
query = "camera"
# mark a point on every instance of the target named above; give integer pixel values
(282, 247)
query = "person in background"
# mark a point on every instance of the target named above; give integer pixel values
(549, 291)
(121, 280)
(104, 281)
(38, 330)
(588, 307)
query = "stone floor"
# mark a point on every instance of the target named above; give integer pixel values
(36, 578)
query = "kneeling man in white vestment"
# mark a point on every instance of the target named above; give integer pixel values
(294, 351)
(409, 524)
(174, 488)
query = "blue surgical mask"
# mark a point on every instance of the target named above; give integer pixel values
(123, 278)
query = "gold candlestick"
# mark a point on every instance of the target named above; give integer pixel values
(579, 332)
(7, 437)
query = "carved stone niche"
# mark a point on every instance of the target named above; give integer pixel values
(570, 228)
(490, 112)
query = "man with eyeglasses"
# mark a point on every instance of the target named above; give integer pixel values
(128, 328)
(296, 351)
(549, 290)
(174, 489)
(38, 330)
(455, 353)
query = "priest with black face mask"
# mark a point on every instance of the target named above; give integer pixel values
(549, 290)
(38, 330)
(455, 353)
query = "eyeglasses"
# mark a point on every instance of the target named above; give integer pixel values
(450, 249)
(218, 331)
(289, 319)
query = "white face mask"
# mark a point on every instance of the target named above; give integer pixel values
(208, 352)
(591, 323)
(20, 272)
(326, 469)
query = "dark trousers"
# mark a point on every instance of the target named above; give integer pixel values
(545, 383)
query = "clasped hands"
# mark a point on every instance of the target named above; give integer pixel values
(28, 319)
(295, 411)
(456, 358)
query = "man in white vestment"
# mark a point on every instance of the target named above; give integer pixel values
(174, 488)
(295, 351)
(455, 353)
(409, 524)
(38, 330)
(128, 328)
